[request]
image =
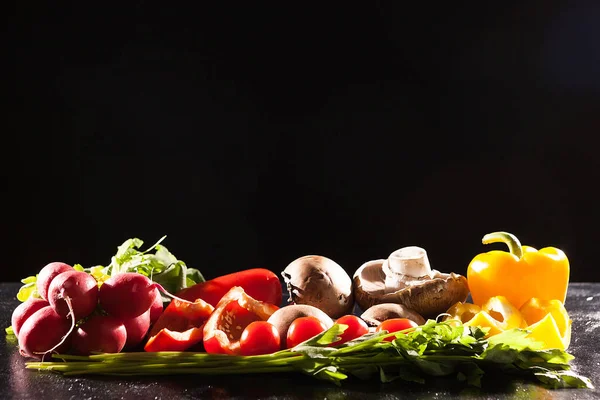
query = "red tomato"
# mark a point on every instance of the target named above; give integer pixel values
(260, 337)
(395, 325)
(302, 329)
(234, 312)
(356, 328)
(259, 283)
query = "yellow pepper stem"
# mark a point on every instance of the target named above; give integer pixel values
(514, 246)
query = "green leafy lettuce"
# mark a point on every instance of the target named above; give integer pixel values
(156, 262)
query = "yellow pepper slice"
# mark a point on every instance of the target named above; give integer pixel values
(485, 320)
(520, 274)
(463, 312)
(506, 315)
(497, 314)
(546, 330)
(535, 310)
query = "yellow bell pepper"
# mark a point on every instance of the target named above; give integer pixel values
(520, 274)
(463, 312)
(534, 311)
(497, 314)
(547, 331)
(507, 315)
(484, 320)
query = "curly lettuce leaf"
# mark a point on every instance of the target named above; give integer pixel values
(29, 288)
(161, 265)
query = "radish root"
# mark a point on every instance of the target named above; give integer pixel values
(70, 314)
(172, 296)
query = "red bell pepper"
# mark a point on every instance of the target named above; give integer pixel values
(180, 316)
(167, 340)
(234, 312)
(259, 283)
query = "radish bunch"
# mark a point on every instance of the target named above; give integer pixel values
(75, 315)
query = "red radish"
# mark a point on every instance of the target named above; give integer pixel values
(44, 331)
(157, 307)
(127, 295)
(82, 290)
(137, 328)
(47, 274)
(99, 334)
(24, 311)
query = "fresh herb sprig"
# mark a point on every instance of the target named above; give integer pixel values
(433, 349)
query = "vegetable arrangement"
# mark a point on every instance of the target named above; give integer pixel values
(415, 321)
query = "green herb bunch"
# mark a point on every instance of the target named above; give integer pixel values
(439, 349)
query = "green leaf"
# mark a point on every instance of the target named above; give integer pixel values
(384, 377)
(473, 373)
(331, 335)
(316, 347)
(516, 339)
(78, 267)
(11, 338)
(194, 276)
(331, 374)
(161, 266)
(164, 256)
(562, 379)
(30, 279)
(552, 356)
(434, 368)
(500, 354)
(29, 289)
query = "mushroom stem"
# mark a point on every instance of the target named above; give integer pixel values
(514, 246)
(411, 261)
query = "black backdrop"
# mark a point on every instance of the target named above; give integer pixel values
(252, 134)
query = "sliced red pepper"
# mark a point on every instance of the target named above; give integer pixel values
(259, 283)
(168, 340)
(179, 316)
(234, 312)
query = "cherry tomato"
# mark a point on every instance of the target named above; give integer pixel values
(259, 337)
(302, 329)
(395, 325)
(234, 312)
(356, 328)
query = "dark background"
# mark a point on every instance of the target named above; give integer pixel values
(253, 134)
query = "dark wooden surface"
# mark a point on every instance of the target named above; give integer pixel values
(16, 382)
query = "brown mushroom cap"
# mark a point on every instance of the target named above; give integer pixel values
(381, 312)
(283, 318)
(429, 296)
(320, 282)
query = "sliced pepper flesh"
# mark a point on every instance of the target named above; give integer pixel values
(179, 316)
(537, 312)
(463, 312)
(546, 330)
(485, 320)
(506, 315)
(520, 274)
(497, 314)
(168, 340)
(235, 311)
